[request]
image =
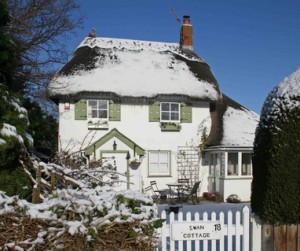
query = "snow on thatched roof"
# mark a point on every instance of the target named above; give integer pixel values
(232, 124)
(135, 69)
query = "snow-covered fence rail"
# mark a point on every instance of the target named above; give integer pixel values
(182, 232)
(56, 178)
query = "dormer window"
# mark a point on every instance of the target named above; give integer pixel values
(169, 112)
(97, 109)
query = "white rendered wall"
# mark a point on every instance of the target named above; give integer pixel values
(240, 186)
(74, 135)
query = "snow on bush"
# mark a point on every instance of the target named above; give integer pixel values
(276, 155)
(283, 97)
(84, 212)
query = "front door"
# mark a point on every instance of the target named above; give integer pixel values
(118, 172)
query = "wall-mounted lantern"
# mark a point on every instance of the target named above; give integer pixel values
(115, 146)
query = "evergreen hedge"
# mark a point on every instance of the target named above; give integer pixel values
(276, 167)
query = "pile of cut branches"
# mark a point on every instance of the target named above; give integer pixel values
(20, 232)
(87, 219)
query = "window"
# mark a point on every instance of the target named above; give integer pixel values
(169, 112)
(246, 163)
(233, 164)
(159, 163)
(98, 109)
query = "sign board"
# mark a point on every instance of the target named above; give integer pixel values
(201, 230)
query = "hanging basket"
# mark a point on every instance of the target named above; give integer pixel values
(135, 164)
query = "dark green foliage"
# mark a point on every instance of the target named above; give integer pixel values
(9, 51)
(43, 128)
(12, 177)
(14, 182)
(276, 169)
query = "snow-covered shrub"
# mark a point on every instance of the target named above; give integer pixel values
(276, 158)
(13, 140)
(101, 218)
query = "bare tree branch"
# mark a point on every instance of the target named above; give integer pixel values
(40, 28)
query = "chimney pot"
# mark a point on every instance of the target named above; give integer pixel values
(186, 19)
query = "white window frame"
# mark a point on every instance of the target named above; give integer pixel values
(249, 167)
(155, 163)
(234, 171)
(89, 110)
(239, 170)
(170, 120)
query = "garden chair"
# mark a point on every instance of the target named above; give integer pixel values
(149, 190)
(191, 192)
(184, 181)
(160, 193)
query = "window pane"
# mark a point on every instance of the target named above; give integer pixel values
(103, 114)
(232, 164)
(154, 168)
(174, 107)
(246, 163)
(174, 116)
(165, 116)
(102, 104)
(93, 103)
(165, 106)
(94, 114)
(163, 157)
(153, 157)
(163, 168)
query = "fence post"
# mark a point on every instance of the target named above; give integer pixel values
(255, 233)
(53, 180)
(36, 188)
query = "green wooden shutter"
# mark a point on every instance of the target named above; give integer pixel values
(114, 111)
(154, 112)
(186, 113)
(80, 110)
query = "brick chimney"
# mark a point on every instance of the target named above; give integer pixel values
(186, 34)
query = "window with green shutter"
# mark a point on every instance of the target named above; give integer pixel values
(97, 109)
(169, 112)
(80, 110)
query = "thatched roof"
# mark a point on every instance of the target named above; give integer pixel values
(134, 69)
(233, 125)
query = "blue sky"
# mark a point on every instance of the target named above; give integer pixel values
(250, 45)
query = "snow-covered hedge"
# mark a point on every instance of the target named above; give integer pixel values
(88, 216)
(276, 158)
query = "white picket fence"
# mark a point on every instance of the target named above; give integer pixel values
(234, 237)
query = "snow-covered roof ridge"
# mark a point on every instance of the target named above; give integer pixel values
(130, 44)
(284, 96)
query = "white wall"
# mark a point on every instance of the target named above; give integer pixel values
(240, 186)
(134, 124)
